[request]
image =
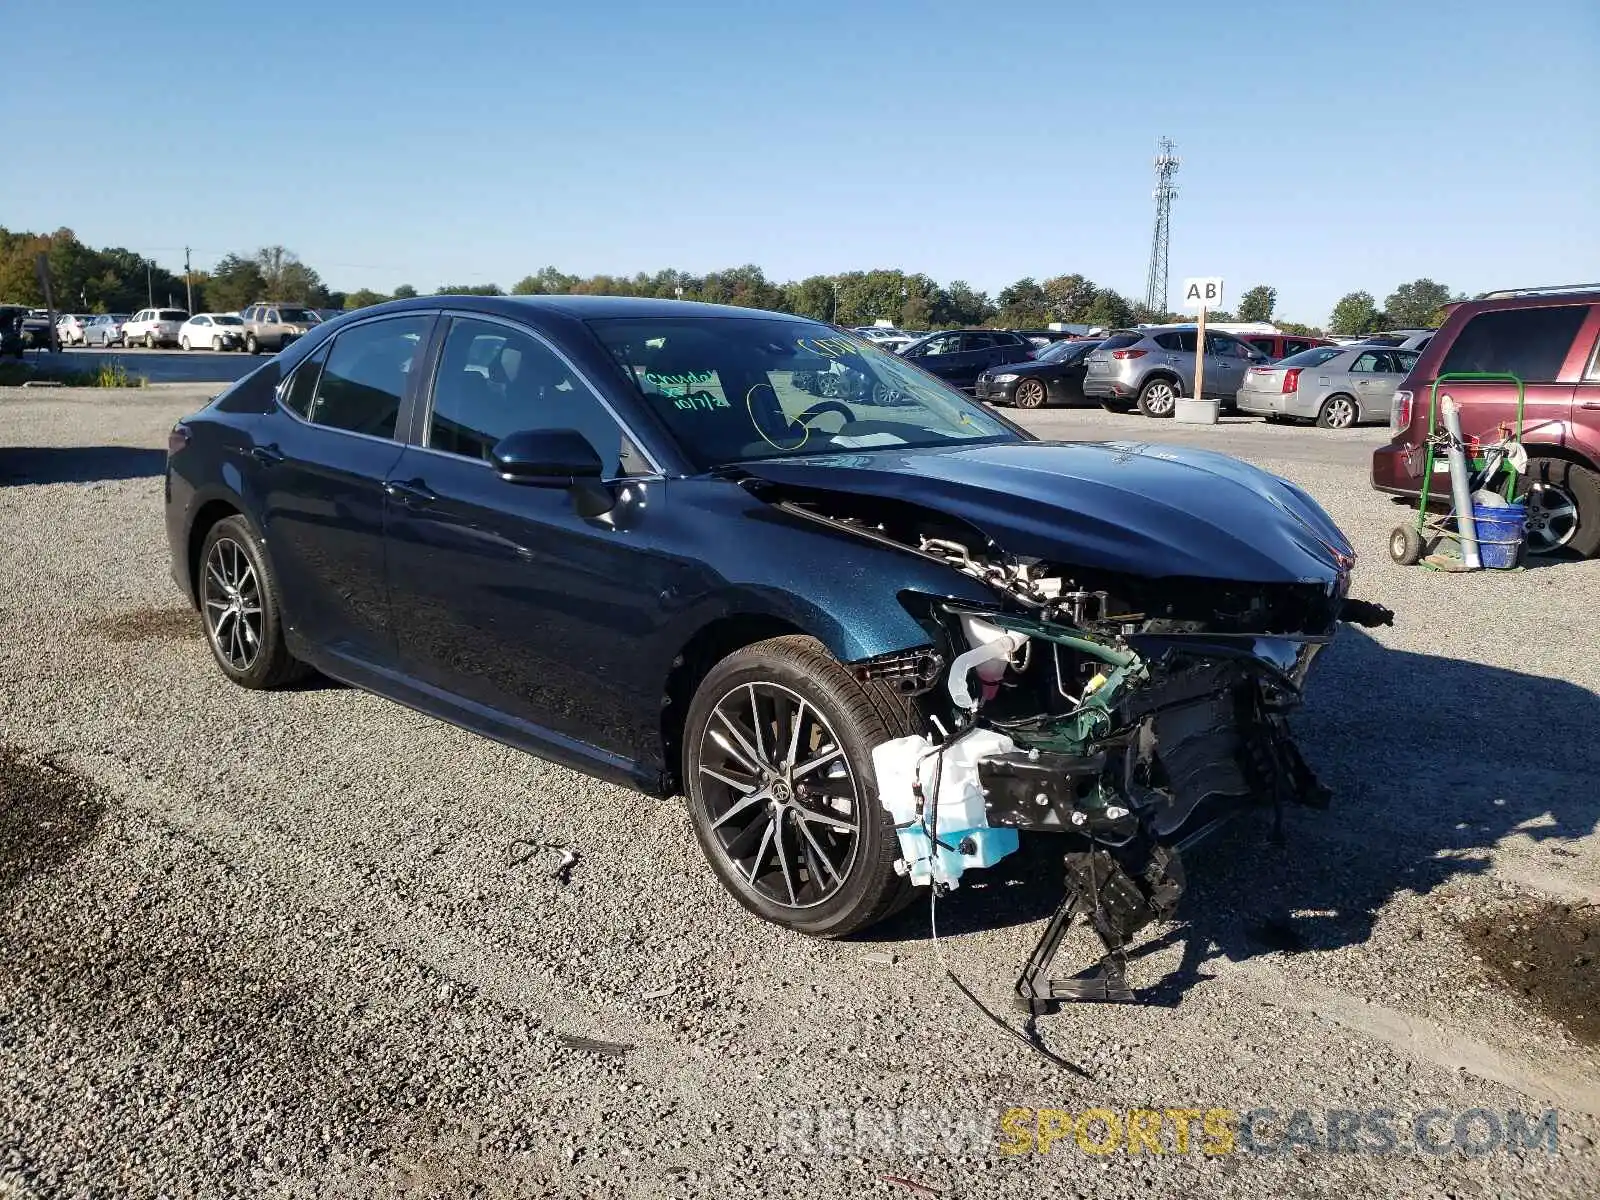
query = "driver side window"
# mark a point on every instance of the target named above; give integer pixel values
(495, 380)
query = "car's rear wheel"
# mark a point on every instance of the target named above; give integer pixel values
(778, 767)
(1563, 507)
(1030, 393)
(239, 603)
(1158, 398)
(149, 341)
(183, 342)
(1337, 412)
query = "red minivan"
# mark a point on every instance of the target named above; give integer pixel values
(1550, 339)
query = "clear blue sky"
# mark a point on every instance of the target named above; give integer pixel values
(1326, 147)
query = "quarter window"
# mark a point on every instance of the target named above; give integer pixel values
(365, 377)
(302, 385)
(494, 380)
(1530, 343)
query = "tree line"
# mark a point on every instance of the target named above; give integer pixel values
(116, 279)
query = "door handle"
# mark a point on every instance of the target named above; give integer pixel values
(413, 493)
(1589, 404)
(267, 456)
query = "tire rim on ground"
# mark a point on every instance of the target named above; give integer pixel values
(231, 598)
(1160, 398)
(1552, 518)
(1340, 413)
(781, 802)
(1030, 394)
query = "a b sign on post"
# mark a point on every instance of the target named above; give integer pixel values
(1201, 293)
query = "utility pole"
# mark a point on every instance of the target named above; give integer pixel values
(188, 288)
(149, 284)
(1155, 288)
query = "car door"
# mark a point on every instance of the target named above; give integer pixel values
(506, 598)
(1225, 361)
(941, 356)
(320, 464)
(1364, 380)
(1375, 390)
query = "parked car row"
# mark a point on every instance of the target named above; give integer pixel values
(262, 326)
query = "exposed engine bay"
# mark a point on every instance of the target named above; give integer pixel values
(1132, 715)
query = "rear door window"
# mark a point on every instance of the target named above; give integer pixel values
(1294, 346)
(365, 378)
(1182, 340)
(1530, 343)
(977, 341)
(1367, 363)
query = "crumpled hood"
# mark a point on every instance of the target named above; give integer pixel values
(1132, 507)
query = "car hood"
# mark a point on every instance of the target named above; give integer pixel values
(1133, 507)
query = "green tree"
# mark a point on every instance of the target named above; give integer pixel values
(1257, 304)
(363, 298)
(285, 277)
(405, 292)
(1417, 305)
(1068, 298)
(236, 282)
(810, 297)
(468, 289)
(1022, 305)
(1109, 310)
(959, 304)
(1356, 312)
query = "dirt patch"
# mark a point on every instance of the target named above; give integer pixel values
(147, 625)
(1549, 954)
(46, 813)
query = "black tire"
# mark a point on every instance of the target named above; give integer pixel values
(1580, 485)
(1159, 397)
(859, 716)
(149, 341)
(1339, 411)
(250, 343)
(1406, 545)
(1030, 393)
(271, 665)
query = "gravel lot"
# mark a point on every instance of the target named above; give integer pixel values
(289, 944)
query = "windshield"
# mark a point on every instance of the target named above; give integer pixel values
(1313, 357)
(227, 320)
(297, 316)
(737, 388)
(1056, 351)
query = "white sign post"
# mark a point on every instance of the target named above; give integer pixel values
(1201, 293)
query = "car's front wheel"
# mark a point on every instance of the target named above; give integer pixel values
(251, 344)
(1158, 398)
(239, 602)
(1030, 393)
(778, 768)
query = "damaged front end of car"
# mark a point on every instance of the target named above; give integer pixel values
(1133, 715)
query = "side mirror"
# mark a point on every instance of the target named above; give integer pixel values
(546, 458)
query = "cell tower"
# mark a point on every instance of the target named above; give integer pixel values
(1155, 288)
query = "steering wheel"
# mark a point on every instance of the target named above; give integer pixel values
(825, 406)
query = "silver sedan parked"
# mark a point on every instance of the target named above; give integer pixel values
(1335, 386)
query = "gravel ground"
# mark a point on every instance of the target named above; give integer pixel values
(290, 944)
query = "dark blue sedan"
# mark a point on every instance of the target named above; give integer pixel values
(869, 635)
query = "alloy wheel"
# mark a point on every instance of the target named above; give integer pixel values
(1552, 518)
(1341, 413)
(1030, 394)
(1159, 399)
(231, 598)
(781, 801)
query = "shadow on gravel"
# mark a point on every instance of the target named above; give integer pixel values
(78, 464)
(147, 625)
(47, 813)
(1432, 762)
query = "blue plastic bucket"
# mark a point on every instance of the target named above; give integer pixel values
(1500, 534)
